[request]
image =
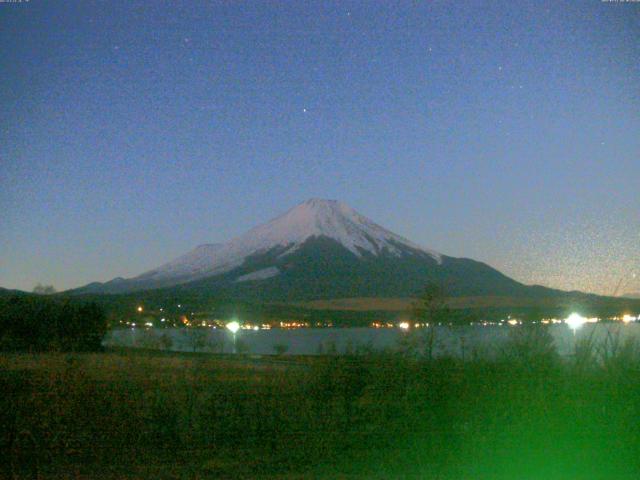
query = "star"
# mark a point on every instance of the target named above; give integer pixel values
(304, 110)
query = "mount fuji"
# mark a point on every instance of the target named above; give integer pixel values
(319, 249)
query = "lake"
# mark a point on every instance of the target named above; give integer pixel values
(456, 341)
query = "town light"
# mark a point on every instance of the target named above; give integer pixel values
(233, 326)
(575, 321)
(404, 325)
(139, 309)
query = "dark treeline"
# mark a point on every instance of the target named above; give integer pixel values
(37, 324)
(122, 307)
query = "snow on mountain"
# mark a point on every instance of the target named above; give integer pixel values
(329, 218)
(192, 263)
(259, 274)
(312, 218)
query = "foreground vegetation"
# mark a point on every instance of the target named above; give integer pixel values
(526, 414)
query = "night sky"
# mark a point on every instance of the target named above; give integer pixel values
(507, 132)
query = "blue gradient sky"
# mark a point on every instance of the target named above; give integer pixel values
(508, 132)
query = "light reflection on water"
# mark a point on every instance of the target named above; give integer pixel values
(467, 340)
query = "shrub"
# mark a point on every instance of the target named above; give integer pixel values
(530, 346)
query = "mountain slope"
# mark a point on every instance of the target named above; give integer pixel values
(321, 268)
(317, 250)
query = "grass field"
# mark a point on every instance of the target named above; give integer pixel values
(527, 415)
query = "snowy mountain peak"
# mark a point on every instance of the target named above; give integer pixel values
(329, 218)
(311, 219)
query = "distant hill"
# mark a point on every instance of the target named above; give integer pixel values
(5, 292)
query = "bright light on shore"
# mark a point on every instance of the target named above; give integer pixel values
(233, 327)
(575, 321)
(404, 325)
(628, 318)
(139, 309)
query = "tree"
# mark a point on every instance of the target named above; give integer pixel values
(44, 289)
(39, 324)
(166, 342)
(197, 337)
(431, 309)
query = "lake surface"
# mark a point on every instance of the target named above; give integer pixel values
(458, 341)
